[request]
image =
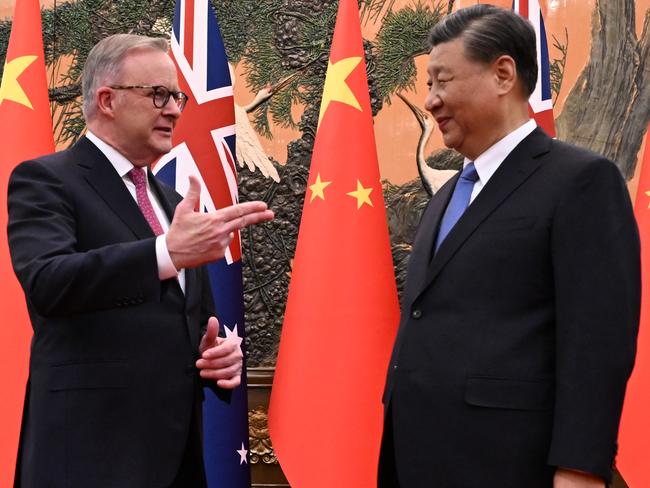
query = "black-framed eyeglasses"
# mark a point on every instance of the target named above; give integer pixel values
(159, 94)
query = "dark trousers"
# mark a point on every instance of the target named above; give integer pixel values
(191, 473)
(387, 472)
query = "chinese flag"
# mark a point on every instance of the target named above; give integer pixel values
(25, 132)
(634, 436)
(342, 310)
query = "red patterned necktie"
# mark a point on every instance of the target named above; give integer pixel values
(138, 177)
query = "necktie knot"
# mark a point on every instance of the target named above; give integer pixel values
(469, 173)
(139, 178)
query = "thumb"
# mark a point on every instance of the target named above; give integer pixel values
(211, 334)
(192, 197)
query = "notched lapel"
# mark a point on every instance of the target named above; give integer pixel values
(425, 238)
(192, 300)
(520, 164)
(168, 199)
(168, 206)
(103, 178)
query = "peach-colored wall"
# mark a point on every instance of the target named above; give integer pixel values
(7, 6)
(396, 130)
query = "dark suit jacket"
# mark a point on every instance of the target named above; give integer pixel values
(516, 340)
(112, 383)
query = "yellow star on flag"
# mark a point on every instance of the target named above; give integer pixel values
(361, 194)
(10, 88)
(336, 89)
(648, 195)
(318, 188)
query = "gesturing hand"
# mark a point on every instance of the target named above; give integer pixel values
(221, 359)
(197, 238)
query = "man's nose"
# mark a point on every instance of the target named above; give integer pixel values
(432, 101)
(171, 108)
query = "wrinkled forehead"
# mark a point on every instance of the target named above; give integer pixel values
(446, 54)
(150, 66)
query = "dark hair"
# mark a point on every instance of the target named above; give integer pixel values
(489, 32)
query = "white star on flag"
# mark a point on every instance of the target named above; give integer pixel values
(233, 335)
(242, 454)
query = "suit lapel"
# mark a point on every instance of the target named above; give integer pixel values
(166, 204)
(518, 166)
(165, 197)
(168, 200)
(425, 237)
(103, 178)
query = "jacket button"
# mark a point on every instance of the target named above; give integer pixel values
(394, 366)
(416, 314)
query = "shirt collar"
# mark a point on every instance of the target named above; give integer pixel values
(119, 162)
(490, 160)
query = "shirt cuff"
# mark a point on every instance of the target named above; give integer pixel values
(166, 268)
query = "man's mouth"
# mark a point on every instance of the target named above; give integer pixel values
(164, 130)
(442, 122)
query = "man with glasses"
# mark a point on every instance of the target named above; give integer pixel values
(160, 94)
(111, 261)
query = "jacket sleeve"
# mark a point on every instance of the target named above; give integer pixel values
(57, 277)
(596, 265)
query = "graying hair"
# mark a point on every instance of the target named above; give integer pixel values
(104, 63)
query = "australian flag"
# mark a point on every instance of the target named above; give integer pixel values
(540, 102)
(204, 146)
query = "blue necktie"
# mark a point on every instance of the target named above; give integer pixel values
(458, 203)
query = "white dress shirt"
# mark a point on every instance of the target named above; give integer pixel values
(490, 160)
(166, 268)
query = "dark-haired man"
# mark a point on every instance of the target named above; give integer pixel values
(110, 262)
(521, 306)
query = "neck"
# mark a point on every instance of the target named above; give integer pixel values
(109, 137)
(515, 115)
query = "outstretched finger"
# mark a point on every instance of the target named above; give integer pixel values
(248, 219)
(210, 336)
(192, 197)
(241, 209)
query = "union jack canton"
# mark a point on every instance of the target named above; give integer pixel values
(540, 102)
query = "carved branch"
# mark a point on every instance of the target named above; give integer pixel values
(608, 109)
(65, 94)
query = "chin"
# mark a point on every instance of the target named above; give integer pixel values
(162, 149)
(450, 142)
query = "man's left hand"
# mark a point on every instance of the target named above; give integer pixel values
(567, 478)
(221, 359)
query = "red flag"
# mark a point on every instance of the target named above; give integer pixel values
(342, 310)
(25, 132)
(540, 103)
(634, 436)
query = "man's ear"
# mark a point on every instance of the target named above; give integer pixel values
(105, 99)
(505, 73)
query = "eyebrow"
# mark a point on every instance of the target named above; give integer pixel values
(435, 69)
